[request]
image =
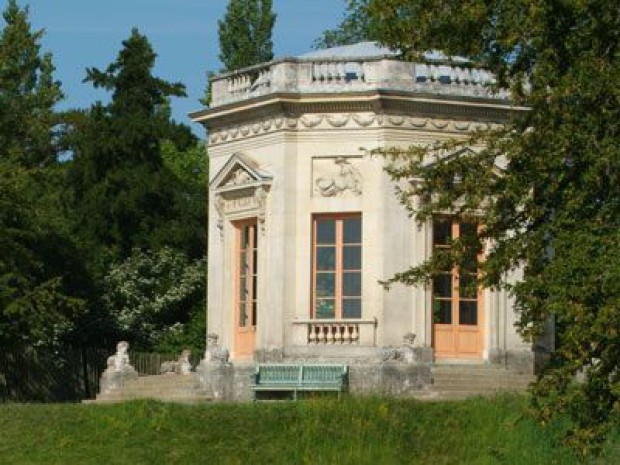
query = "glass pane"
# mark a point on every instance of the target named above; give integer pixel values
(469, 230)
(254, 313)
(325, 284)
(325, 231)
(254, 286)
(352, 231)
(255, 261)
(254, 235)
(352, 257)
(325, 309)
(469, 261)
(442, 286)
(468, 312)
(243, 292)
(468, 286)
(245, 237)
(243, 315)
(352, 284)
(442, 231)
(352, 308)
(326, 258)
(442, 311)
(243, 266)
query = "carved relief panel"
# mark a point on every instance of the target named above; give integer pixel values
(336, 177)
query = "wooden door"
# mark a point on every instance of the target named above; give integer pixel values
(457, 299)
(246, 278)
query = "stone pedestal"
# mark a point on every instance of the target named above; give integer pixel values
(216, 379)
(115, 379)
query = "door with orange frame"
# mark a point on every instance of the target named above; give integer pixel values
(457, 298)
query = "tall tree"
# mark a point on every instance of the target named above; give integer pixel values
(28, 93)
(123, 195)
(554, 211)
(39, 267)
(245, 33)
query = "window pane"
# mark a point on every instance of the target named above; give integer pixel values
(468, 286)
(255, 261)
(243, 266)
(469, 261)
(352, 231)
(352, 257)
(245, 237)
(352, 308)
(325, 309)
(469, 230)
(325, 285)
(468, 312)
(326, 258)
(352, 284)
(254, 235)
(243, 315)
(442, 286)
(442, 231)
(243, 291)
(254, 313)
(254, 286)
(442, 311)
(325, 231)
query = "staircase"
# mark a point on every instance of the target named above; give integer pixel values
(166, 388)
(459, 381)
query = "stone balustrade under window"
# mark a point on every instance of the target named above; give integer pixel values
(335, 332)
(341, 75)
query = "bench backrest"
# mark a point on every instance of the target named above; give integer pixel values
(278, 374)
(323, 374)
(303, 374)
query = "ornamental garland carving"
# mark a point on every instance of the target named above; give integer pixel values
(346, 120)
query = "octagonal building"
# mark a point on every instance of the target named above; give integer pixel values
(304, 222)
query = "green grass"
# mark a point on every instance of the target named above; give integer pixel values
(350, 431)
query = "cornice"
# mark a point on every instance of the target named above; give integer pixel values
(377, 101)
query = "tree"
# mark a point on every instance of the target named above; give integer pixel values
(121, 192)
(28, 93)
(357, 26)
(245, 33)
(40, 272)
(554, 211)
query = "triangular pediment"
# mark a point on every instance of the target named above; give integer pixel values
(240, 171)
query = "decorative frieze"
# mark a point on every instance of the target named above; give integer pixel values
(345, 121)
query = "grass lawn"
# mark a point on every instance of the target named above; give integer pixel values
(350, 431)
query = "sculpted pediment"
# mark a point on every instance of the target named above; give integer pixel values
(240, 172)
(240, 190)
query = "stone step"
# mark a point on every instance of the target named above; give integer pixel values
(162, 380)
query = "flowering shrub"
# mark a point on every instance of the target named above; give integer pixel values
(152, 295)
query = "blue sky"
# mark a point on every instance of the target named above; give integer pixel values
(88, 33)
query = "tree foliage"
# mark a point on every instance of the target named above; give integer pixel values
(121, 191)
(554, 211)
(40, 279)
(245, 33)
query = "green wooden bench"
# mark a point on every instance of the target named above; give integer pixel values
(295, 378)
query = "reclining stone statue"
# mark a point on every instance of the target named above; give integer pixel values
(182, 366)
